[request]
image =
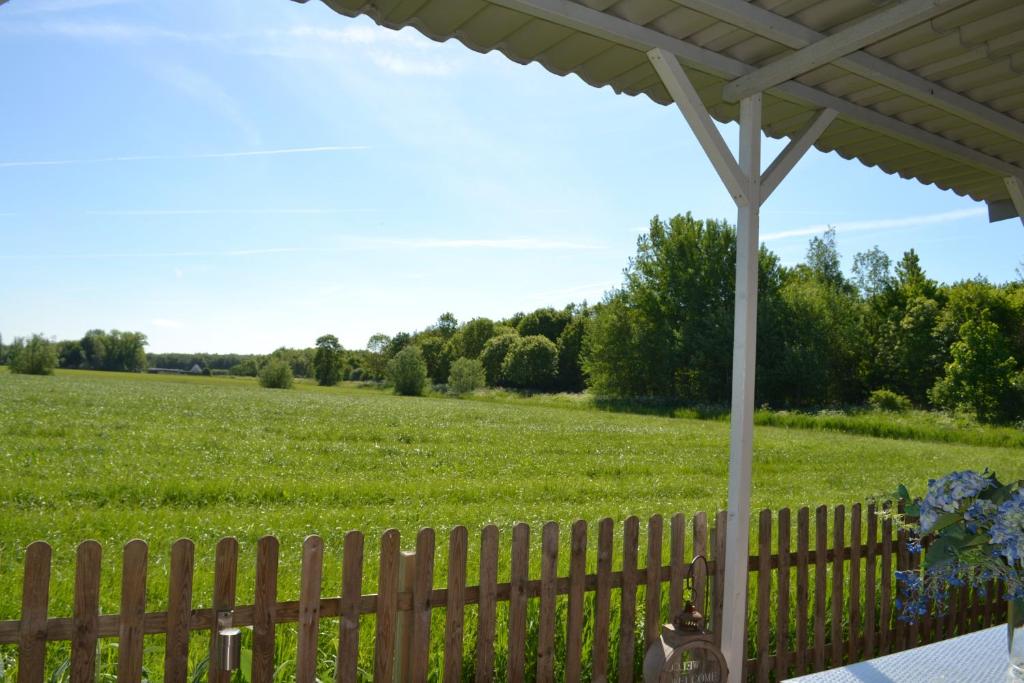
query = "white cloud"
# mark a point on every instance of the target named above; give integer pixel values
(880, 224)
(202, 87)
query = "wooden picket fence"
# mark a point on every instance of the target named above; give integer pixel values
(811, 608)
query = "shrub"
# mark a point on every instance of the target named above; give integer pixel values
(531, 363)
(408, 371)
(889, 401)
(467, 376)
(276, 374)
(356, 374)
(35, 356)
(493, 356)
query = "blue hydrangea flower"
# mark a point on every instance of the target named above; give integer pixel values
(978, 514)
(946, 493)
(1007, 531)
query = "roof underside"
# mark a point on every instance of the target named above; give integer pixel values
(973, 54)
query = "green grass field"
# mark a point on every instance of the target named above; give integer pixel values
(115, 457)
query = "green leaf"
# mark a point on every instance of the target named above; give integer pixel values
(947, 521)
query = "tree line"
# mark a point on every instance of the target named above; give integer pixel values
(886, 334)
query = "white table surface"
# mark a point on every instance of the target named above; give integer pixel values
(978, 657)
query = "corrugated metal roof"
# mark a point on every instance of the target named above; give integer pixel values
(973, 53)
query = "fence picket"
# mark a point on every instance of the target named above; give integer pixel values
(885, 611)
(35, 600)
(577, 588)
(224, 584)
(487, 608)
(548, 597)
(764, 591)
(387, 607)
(803, 533)
(133, 612)
(820, 545)
(782, 614)
(854, 593)
(311, 583)
(652, 591)
(838, 530)
(718, 590)
(264, 610)
(870, 581)
(458, 545)
(423, 583)
(627, 602)
(700, 549)
(347, 668)
(677, 562)
(517, 603)
(179, 611)
(86, 612)
(602, 598)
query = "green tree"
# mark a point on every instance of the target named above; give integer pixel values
(437, 355)
(446, 325)
(70, 354)
(33, 356)
(872, 271)
(982, 377)
(531, 363)
(407, 371)
(469, 340)
(545, 321)
(493, 356)
(376, 361)
(570, 354)
(467, 376)
(327, 360)
(276, 373)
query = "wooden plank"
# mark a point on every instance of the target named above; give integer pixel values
(310, 587)
(853, 598)
(179, 611)
(387, 607)
(627, 603)
(458, 547)
(718, 604)
(803, 527)
(764, 593)
(548, 598)
(403, 620)
(517, 603)
(133, 611)
(602, 598)
(35, 601)
(225, 576)
(347, 669)
(782, 609)
(885, 596)
(870, 584)
(838, 533)
(486, 609)
(700, 549)
(86, 612)
(577, 588)
(652, 591)
(423, 583)
(677, 560)
(820, 541)
(264, 609)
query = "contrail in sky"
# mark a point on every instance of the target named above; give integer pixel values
(183, 157)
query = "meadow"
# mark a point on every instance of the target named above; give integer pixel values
(114, 457)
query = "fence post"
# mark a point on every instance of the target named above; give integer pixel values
(403, 621)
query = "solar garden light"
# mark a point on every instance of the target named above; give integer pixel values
(686, 652)
(229, 642)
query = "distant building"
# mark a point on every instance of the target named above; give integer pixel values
(196, 370)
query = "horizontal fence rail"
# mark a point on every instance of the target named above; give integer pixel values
(810, 608)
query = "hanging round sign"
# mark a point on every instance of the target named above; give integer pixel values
(694, 662)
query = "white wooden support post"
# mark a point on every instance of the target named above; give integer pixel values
(1016, 187)
(744, 182)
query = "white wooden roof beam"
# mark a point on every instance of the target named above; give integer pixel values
(794, 151)
(1015, 184)
(609, 27)
(693, 110)
(872, 29)
(795, 35)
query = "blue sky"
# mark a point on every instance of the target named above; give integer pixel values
(241, 175)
